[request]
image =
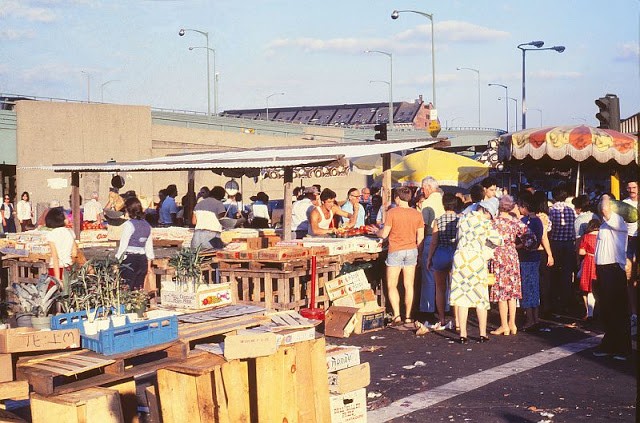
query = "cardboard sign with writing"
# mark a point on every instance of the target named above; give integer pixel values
(341, 357)
(250, 345)
(29, 339)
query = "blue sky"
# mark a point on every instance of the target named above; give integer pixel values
(313, 52)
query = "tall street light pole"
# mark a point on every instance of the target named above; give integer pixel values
(523, 47)
(395, 15)
(515, 108)
(102, 88)
(538, 110)
(88, 85)
(215, 76)
(267, 98)
(206, 35)
(506, 103)
(477, 73)
(390, 56)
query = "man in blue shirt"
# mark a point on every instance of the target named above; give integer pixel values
(169, 209)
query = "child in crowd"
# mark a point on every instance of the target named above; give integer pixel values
(588, 269)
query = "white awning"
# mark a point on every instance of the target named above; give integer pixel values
(257, 158)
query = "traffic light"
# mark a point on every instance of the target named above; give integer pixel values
(609, 114)
(381, 131)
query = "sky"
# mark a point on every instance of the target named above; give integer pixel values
(313, 52)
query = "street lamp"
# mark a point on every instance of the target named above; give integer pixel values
(478, 73)
(390, 56)
(537, 45)
(206, 35)
(506, 103)
(538, 110)
(579, 118)
(515, 109)
(102, 88)
(88, 85)
(268, 97)
(395, 15)
(215, 77)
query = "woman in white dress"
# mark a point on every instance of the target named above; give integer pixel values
(24, 212)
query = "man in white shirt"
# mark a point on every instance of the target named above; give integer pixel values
(632, 253)
(301, 210)
(432, 209)
(610, 257)
(93, 209)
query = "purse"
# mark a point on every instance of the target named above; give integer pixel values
(491, 277)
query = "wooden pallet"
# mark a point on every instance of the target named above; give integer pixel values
(68, 372)
(259, 264)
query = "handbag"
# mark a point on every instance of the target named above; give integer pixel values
(491, 277)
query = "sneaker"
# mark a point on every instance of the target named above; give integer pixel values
(620, 357)
(438, 326)
(600, 354)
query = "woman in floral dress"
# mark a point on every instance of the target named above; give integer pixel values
(507, 288)
(469, 273)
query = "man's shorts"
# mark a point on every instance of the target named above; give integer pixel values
(402, 258)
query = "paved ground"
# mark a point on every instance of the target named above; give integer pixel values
(531, 377)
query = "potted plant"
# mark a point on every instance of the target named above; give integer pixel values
(35, 301)
(135, 301)
(188, 267)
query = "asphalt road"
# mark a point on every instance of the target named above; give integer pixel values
(530, 377)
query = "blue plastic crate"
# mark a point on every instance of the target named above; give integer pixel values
(132, 336)
(74, 320)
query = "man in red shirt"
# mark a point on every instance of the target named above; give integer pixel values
(405, 229)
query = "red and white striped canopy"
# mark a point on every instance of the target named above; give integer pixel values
(578, 142)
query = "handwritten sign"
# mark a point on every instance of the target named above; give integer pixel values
(218, 295)
(29, 339)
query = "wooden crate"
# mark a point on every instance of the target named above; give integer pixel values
(275, 289)
(89, 405)
(291, 385)
(206, 388)
(25, 271)
(17, 390)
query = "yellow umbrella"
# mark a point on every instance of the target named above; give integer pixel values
(447, 168)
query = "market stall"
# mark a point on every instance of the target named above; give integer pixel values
(570, 147)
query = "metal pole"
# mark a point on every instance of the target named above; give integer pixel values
(524, 107)
(208, 81)
(433, 61)
(506, 106)
(390, 91)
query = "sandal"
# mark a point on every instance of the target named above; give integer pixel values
(396, 321)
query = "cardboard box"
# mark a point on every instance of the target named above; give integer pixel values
(350, 379)
(208, 295)
(254, 243)
(369, 320)
(293, 336)
(29, 339)
(248, 344)
(341, 357)
(347, 284)
(339, 321)
(362, 299)
(350, 407)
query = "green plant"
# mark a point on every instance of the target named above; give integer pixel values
(37, 298)
(187, 263)
(134, 300)
(94, 287)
